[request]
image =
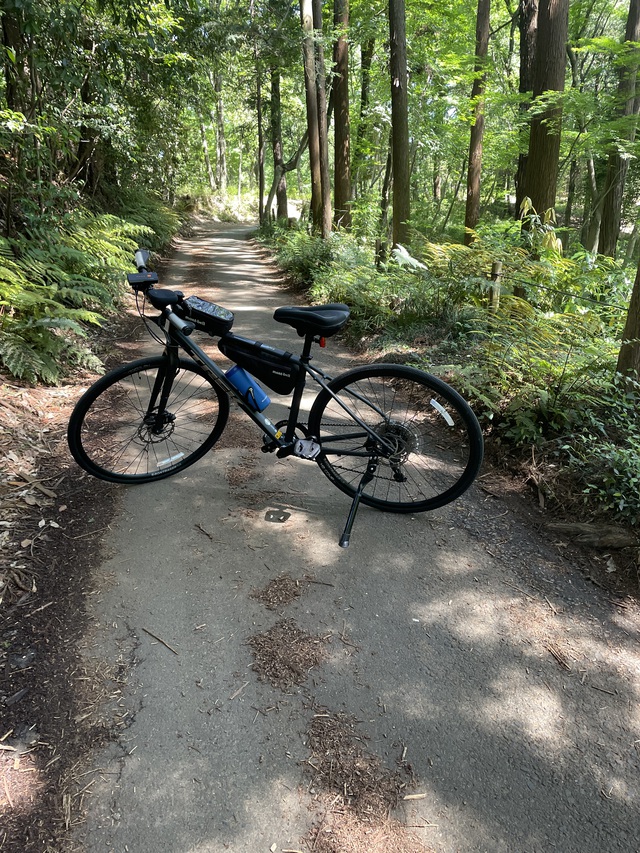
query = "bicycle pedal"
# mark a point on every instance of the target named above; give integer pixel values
(306, 448)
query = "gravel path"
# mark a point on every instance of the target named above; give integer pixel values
(474, 654)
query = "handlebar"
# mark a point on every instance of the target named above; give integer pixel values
(143, 279)
(141, 258)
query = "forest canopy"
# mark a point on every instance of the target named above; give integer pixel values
(464, 175)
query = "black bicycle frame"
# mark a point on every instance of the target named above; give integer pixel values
(174, 327)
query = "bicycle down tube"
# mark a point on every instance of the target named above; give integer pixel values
(199, 356)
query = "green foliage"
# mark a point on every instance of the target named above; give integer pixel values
(534, 372)
(149, 216)
(538, 371)
(301, 255)
(603, 454)
(53, 287)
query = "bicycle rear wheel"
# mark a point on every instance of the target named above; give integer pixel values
(116, 434)
(429, 444)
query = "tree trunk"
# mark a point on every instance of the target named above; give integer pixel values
(282, 206)
(629, 355)
(205, 154)
(14, 72)
(340, 91)
(323, 129)
(221, 144)
(292, 164)
(549, 75)
(528, 26)
(366, 57)
(472, 213)
(381, 242)
(309, 60)
(618, 162)
(399, 123)
(260, 163)
(571, 194)
(590, 232)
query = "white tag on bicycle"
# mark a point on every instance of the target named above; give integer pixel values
(306, 448)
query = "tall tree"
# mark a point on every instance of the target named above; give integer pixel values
(323, 121)
(618, 161)
(282, 207)
(366, 58)
(342, 165)
(629, 355)
(528, 27)
(548, 77)
(472, 213)
(311, 99)
(401, 205)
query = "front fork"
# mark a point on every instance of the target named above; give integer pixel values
(155, 416)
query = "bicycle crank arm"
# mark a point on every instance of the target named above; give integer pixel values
(367, 477)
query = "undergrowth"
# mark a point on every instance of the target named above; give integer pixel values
(538, 368)
(63, 274)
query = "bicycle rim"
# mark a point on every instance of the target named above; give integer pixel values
(113, 435)
(429, 444)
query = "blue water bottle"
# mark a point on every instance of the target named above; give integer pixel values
(248, 388)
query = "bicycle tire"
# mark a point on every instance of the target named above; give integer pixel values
(109, 438)
(437, 438)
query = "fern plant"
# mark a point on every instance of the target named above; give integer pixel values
(55, 284)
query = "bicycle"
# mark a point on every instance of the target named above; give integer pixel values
(390, 436)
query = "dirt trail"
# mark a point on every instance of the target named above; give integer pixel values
(462, 651)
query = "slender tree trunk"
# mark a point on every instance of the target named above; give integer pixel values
(366, 57)
(381, 242)
(590, 232)
(571, 194)
(221, 140)
(549, 74)
(528, 26)
(618, 163)
(472, 213)
(340, 91)
(399, 123)
(205, 154)
(14, 74)
(309, 60)
(292, 164)
(436, 184)
(629, 355)
(260, 163)
(282, 206)
(323, 128)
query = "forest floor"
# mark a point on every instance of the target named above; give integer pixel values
(579, 605)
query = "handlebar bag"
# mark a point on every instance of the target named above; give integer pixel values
(207, 316)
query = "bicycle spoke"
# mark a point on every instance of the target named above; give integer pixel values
(117, 436)
(418, 433)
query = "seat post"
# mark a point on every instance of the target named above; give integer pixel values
(306, 349)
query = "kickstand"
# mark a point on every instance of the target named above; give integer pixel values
(367, 477)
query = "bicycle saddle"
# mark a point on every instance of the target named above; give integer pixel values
(323, 320)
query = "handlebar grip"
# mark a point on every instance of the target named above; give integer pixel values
(141, 258)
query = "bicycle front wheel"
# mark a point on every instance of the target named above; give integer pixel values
(117, 433)
(424, 445)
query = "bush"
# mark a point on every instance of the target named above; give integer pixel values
(57, 281)
(605, 454)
